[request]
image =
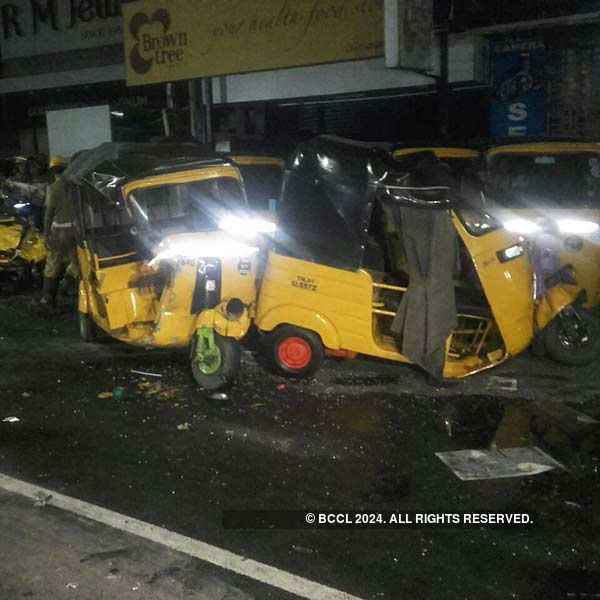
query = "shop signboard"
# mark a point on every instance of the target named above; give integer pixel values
(185, 39)
(35, 27)
(519, 88)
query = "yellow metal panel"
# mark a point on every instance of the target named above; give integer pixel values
(236, 285)
(10, 236)
(182, 177)
(556, 298)
(508, 286)
(439, 152)
(541, 147)
(184, 39)
(33, 248)
(175, 322)
(338, 299)
(116, 309)
(257, 160)
(120, 277)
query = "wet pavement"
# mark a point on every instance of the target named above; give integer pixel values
(362, 435)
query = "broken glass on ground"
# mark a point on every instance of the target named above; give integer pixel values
(498, 463)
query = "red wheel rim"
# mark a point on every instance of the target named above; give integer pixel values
(294, 353)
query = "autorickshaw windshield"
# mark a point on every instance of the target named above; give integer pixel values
(561, 180)
(192, 206)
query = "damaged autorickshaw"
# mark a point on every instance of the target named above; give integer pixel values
(168, 251)
(549, 192)
(445, 287)
(22, 250)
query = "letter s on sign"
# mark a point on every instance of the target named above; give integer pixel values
(517, 111)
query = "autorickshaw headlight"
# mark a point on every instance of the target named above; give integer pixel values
(522, 226)
(477, 222)
(510, 253)
(196, 249)
(246, 227)
(577, 226)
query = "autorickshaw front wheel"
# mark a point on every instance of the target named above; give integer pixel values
(215, 359)
(295, 351)
(573, 337)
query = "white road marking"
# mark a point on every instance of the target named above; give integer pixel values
(304, 588)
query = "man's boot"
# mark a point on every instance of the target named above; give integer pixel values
(49, 291)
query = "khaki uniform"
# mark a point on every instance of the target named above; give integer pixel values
(59, 231)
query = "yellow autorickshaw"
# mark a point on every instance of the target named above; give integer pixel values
(22, 248)
(549, 191)
(449, 290)
(168, 251)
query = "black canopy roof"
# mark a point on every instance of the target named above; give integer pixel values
(328, 193)
(111, 165)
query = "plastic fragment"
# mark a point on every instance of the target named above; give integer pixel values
(145, 373)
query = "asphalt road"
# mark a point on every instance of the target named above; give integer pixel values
(362, 435)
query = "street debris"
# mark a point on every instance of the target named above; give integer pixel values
(42, 499)
(258, 404)
(72, 586)
(145, 373)
(157, 389)
(498, 463)
(219, 396)
(184, 426)
(281, 386)
(504, 384)
(11, 420)
(582, 418)
(105, 395)
(26, 395)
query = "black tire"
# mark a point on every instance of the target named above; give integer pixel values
(231, 356)
(573, 337)
(538, 346)
(87, 328)
(294, 351)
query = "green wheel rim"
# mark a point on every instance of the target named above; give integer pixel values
(207, 358)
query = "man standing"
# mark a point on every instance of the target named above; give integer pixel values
(59, 232)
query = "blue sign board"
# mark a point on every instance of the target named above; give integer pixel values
(519, 88)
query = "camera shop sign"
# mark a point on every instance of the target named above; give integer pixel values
(33, 27)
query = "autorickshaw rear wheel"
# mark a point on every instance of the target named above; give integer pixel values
(218, 365)
(295, 351)
(87, 328)
(573, 337)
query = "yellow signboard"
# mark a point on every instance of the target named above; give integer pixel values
(167, 40)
